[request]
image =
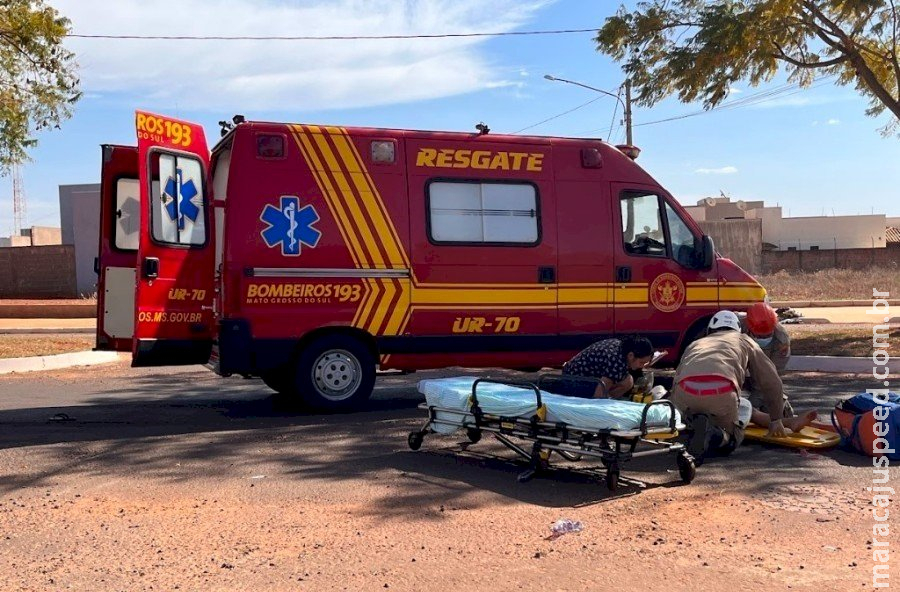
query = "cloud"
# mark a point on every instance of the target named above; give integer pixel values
(725, 170)
(834, 121)
(289, 75)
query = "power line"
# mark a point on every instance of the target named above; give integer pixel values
(750, 100)
(558, 115)
(330, 37)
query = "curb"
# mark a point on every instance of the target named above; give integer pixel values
(835, 364)
(825, 303)
(48, 311)
(48, 331)
(55, 362)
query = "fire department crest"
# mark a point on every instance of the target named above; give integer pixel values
(667, 292)
(290, 226)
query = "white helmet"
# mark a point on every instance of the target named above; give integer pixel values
(724, 319)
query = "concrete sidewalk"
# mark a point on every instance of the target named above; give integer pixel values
(827, 303)
(847, 314)
(56, 362)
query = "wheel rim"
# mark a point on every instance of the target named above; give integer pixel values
(337, 374)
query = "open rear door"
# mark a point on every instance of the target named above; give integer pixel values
(120, 213)
(174, 294)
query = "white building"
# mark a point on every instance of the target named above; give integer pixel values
(801, 233)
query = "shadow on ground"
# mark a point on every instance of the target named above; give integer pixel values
(177, 426)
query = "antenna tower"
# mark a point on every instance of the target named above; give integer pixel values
(19, 211)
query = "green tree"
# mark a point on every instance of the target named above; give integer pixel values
(696, 49)
(38, 81)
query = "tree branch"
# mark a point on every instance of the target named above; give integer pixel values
(850, 48)
(893, 53)
(781, 55)
(8, 38)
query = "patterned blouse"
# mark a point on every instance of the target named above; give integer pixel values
(603, 359)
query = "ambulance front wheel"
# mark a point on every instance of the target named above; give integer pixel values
(335, 373)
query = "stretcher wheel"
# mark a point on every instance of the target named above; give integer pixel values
(474, 435)
(415, 440)
(612, 478)
(686, 467)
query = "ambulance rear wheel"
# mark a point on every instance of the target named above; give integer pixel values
(335, 373)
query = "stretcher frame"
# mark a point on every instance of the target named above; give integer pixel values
(572, 443)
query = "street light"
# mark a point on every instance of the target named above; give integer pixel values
(626, 104)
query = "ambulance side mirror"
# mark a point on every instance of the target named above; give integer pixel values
(707, 254)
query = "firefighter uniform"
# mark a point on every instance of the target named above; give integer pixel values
(709, 378)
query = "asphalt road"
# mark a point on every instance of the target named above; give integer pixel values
(180, 479)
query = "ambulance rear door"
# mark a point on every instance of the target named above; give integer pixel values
(120, 214)
(174, 294)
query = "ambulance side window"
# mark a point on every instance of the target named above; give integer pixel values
(483, 213)
(177, 212)
(684, 248)
(642, 227)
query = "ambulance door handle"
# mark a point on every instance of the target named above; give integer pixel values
(151, 267)
(623, 274)
(547, 275)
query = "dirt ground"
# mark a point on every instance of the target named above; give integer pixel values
(838, 340)
(25, 345)
(181, 480)
(831, 284)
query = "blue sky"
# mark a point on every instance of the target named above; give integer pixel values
(813, 152)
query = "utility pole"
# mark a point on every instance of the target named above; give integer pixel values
(628, 137)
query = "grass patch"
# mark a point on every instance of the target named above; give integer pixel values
(22, 346)
(828, 340)
(831, 284)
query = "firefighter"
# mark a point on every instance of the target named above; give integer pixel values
(763, 326)
(761, 323)
(611, 361)
(708, 381)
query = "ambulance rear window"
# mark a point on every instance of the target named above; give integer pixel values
(177, 211)
(483, 213)
(127, 214)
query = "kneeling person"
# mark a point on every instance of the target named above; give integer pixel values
(708, 382)
(610, 361)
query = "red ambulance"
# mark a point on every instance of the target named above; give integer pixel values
(311, 255)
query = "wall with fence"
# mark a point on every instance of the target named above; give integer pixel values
(37, 272)
(817, 260)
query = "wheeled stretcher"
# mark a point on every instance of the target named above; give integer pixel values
(522, 413)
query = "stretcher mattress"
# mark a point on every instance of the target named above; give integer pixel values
(512, 401)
